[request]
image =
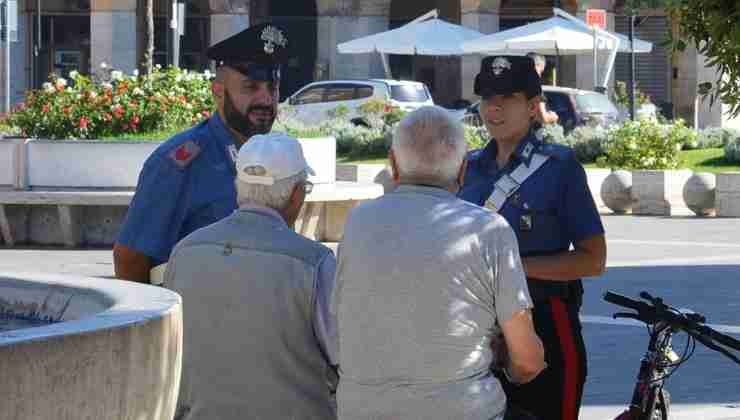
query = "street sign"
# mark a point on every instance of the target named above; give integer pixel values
(596, 18)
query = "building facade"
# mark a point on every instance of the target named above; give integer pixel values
(81, 34)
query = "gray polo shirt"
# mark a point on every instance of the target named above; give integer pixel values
(423, 281)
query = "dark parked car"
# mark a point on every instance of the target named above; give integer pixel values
(574, 108)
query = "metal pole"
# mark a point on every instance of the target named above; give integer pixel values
(6, 45)
(175, 35)
(631, 81)
(596, 61)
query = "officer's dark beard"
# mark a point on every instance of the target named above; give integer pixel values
(241, 122)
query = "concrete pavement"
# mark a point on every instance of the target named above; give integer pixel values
(690, 262)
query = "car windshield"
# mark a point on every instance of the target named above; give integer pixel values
(409, 93)
(595, 103)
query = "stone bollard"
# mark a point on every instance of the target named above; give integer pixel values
(699, 193)
(616, 191)
(728, 194)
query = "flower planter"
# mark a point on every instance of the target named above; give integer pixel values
(321, 155)
(71, 164)
(11, 162)
(728, 194)
(660, 192)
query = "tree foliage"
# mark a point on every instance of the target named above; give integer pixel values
(713, 26)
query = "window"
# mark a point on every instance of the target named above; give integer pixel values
(558, 102)
(340, 93)
(595, 103)
(409, 93)
(310, 96)
(363, 92)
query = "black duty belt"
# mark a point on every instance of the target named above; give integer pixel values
(542, 290)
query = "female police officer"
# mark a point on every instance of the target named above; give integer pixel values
(542, 192)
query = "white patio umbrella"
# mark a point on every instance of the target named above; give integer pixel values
(553, 36)
(429, 37)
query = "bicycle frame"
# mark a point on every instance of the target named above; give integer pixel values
(648, 397)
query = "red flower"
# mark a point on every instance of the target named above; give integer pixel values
(108, 116)
(118, 111)
(45, 109)
(206, 114)
(135, 120)
(83, 123)
(68, 110)
(387, 108)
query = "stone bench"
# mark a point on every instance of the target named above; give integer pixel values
(61, 216)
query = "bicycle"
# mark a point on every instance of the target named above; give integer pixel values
(650, 400)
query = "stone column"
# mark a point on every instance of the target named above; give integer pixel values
(338, 22)
(18, 62)
(691, 71)
(225, 25)
(113, 34)
(585, 62)
(484, 18)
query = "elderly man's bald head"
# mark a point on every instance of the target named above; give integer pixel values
(429, 147)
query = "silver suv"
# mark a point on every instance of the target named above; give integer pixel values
(312, 103)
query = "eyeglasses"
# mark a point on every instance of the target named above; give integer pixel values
(308, 187)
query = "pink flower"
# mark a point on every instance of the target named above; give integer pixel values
(83, 123)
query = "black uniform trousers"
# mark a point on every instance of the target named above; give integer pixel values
(555, 394)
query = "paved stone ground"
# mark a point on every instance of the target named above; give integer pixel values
(690, 262)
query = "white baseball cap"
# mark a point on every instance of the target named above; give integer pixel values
(268, 158)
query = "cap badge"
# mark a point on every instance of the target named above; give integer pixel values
(273, 37)
(500, 64)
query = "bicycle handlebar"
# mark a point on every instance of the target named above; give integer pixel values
(657, 311)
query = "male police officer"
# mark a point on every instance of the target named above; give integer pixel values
(541, 190)
(188, 182)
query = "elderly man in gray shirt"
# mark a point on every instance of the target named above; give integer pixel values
(260, 341)
(426, 284)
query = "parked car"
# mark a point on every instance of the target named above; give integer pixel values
(313, 102)
(574, 107)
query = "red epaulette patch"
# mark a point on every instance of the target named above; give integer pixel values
(185, 153)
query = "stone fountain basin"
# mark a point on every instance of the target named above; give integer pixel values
(115, 352)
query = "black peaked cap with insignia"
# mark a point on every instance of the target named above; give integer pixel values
(258, 51)
(504, 75)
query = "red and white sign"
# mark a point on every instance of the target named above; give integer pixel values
(596, 18)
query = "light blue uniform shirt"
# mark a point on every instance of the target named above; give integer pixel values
(186, 184)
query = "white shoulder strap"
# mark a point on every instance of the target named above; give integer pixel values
(508, 184)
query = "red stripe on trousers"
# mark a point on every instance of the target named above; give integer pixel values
(570, 357)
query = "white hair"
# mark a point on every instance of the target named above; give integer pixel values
(275, 196)
(429, 146)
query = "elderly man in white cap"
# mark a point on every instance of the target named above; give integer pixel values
(259, 340)
(426, 283)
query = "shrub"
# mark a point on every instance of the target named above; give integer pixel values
(621, 96)
(588, 143)
(643, 144)
(686, 136)
(714, 137)
(732, 151)
(552, 133)
(475, 137)
(114, 104)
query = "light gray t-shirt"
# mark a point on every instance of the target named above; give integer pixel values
(423, 281)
